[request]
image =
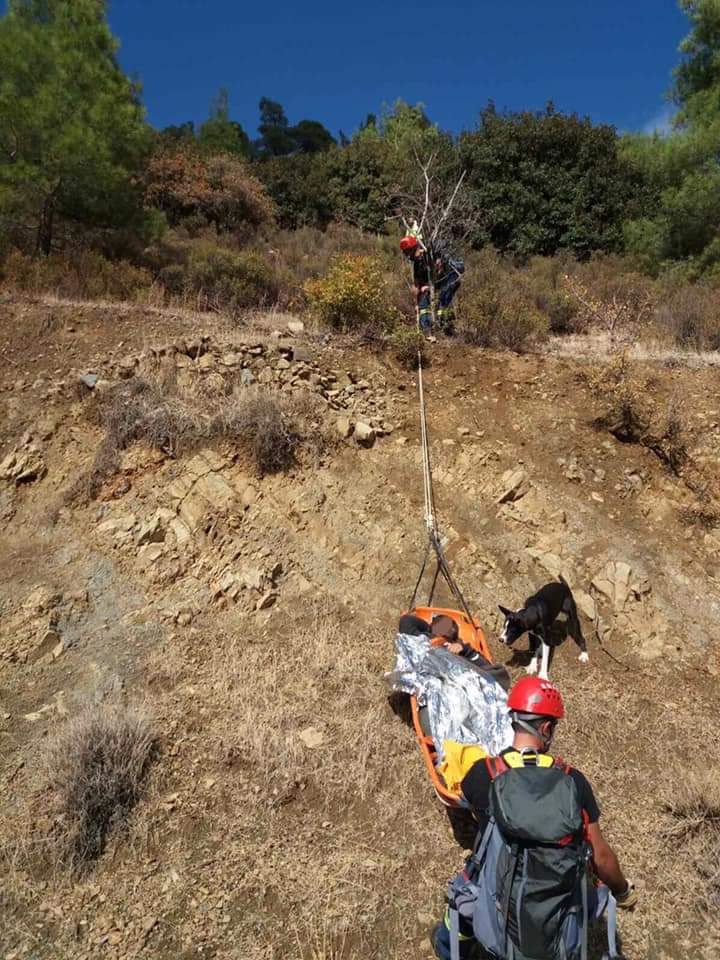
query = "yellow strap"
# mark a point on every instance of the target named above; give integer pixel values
(514, 758)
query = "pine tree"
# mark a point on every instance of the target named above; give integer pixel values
(72, 128)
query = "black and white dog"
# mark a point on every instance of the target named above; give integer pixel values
(537, 615)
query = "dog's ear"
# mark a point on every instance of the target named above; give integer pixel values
(505, 611)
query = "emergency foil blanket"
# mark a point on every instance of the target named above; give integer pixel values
(463, 703)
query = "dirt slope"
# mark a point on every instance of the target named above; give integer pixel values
(288, 813)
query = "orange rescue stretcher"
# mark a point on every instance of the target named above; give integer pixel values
(470, 633)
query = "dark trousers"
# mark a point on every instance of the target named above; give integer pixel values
(445, 292)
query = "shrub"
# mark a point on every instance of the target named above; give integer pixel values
(97, 766)
(78, 275)
(137, 411)
(219, 189)
(691, 317)
(499, 311)
(610, 297)
(225, 279)
(406, 342)
(257, 422)
(353, 296)
(545, 280)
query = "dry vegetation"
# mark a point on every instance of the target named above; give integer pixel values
(693, 836)
(350, 281)
(310, 820)
(174, 421)
(633, 413)
(96, 768)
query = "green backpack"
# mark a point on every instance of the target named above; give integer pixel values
(526, 888)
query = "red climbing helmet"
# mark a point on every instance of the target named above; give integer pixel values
(408, 243)
(535, 696)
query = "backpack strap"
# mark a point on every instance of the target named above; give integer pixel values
(612, 953)
(495, 766)
(586, 917)
(560, 763)
(454, 919)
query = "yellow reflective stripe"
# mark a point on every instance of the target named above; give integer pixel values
(462, 936)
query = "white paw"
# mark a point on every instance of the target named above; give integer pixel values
(584, 658)
(532, 667)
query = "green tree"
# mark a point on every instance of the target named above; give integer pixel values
(697, 77)
(220, 134)
(543, 182)
(178, 133)
(72, 129)
(310, 136)
(275, 139)
(684, 167)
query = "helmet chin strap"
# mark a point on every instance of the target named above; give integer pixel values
(533, 731)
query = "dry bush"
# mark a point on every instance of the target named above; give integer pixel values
(130, 412)
(632, 414)
(498, 308)
(626, 414)
(79, 275)
(257, 421)
(138, 411)
(96, 768)
(693, 833)
(544, 277)
(216, 277)
(690, 317)
(611, 299)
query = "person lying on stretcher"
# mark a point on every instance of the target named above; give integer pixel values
(445, 627)
(441, 626)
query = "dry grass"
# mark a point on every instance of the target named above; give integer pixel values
(693, 835)
(623, 731)
(333, 833)
(96, 768)
(256, 420)
(178, 421)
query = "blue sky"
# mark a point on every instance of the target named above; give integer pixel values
(335, 61)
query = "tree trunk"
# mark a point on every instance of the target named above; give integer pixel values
(43, 243)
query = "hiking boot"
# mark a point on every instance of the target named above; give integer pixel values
(439, 942)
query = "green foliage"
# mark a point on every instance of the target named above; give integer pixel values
(72, 132)
(543, 182)
(360, 182)
(220, 134)
(697, 78)
(406, 342)
(298, 187)
(310, 136)
(685, 227)
(275, 141)
(353, 296)
(223, 279)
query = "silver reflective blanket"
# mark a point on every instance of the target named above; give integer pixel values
(463, 703)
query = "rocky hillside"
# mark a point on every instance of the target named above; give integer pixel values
(149, 563)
